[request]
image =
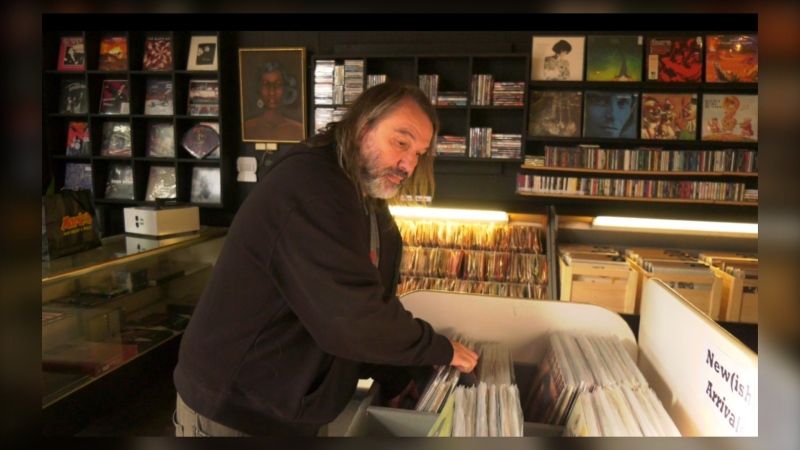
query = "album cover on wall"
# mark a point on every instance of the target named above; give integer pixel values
(557, 58)
(113, 53)
(158, 98)
(675, 58)
(206, 186)
(732, 58)
(78, 176)
(200, 140)
(555, 113)
(78, 139)
(120, 181)
(614, 58)
(157, 53)
(160, 140)
(203, 52)
(71, 55)
(161, 183)
(115, 97)
(611, 114)
(203, 98)
(669, 116)
(116, 139)
(74, 97)
(730, 117)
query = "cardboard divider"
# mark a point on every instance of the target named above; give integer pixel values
(706, 379)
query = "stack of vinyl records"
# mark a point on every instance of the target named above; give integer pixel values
(672, 262)
(591, 255)
(439, 389)
(487, 410)
(488, 404)
(589, 384)
(619, 411)
(740, 265)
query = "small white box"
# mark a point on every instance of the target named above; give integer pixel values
(149, 221)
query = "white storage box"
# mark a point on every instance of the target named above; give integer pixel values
(149, 221)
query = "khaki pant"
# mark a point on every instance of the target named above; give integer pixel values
(188, 423)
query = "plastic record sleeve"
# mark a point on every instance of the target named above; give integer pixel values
(200, 140)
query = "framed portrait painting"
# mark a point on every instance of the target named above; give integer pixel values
(272, 83)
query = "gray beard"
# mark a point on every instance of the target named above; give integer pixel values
(376, 188)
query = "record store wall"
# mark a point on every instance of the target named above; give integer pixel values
(469, 184)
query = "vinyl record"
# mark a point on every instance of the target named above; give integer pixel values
(200, 140)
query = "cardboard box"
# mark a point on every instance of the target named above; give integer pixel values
(707, 298)
(614, 288)
(150, 221)
(739, 298)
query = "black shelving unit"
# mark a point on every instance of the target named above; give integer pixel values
(56, 124)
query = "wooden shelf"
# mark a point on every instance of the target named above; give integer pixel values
(640, 199)
(640, 172)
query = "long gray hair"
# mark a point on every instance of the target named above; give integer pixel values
(369, 108)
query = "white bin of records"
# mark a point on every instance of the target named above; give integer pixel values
(702, 377)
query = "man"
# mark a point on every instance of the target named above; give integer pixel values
(302, 303)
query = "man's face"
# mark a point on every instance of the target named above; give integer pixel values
(391, 149)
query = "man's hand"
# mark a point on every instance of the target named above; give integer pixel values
(464, 359)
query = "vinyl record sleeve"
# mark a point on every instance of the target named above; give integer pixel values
(74, 98)
(161, 183)
(119, 184)
(116, 139)
(557, 58)
(157, 53)
(206, 186)
(114, 97)
(161, 140)
(71, 55)
(78, 139)
(113, 53)
(78, 176)
(200, 140)
(158, 98)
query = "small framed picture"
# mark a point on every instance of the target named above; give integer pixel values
(273, 94)
(203, 53)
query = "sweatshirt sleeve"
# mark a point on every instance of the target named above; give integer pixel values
(322, 267)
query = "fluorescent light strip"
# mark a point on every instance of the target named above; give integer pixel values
(682, 225)
(450, 214)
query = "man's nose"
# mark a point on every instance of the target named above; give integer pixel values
(408, 163)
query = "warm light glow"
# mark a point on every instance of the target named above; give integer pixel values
(680, 225)
(449, 214)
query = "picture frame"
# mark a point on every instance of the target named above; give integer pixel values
(203, 53)
(273, 92)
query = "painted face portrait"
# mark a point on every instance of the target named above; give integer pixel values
(272, 89)
(610, 115)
